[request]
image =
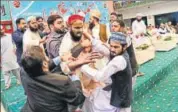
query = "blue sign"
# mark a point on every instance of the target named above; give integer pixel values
(63, 8)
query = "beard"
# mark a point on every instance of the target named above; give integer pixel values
(59, 31)
(113, 54)
(75, 37)
(23, 29)
(91, 25)
(41, 26)
(138, 20)
(33, 29)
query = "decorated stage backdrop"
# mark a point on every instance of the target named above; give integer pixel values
(63, 8)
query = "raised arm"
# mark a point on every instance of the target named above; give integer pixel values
(115, 65)
(97, 45)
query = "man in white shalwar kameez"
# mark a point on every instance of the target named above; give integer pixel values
(8, 59)
(31, 36)
(138, 26)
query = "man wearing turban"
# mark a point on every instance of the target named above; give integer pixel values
(138, 26)
(95, 28)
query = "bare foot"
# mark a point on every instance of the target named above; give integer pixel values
(140, 74)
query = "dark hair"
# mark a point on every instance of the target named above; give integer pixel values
(113, 13)
(96, 19)
(32, 61)
(38, 18)
(52, 19)
(121, 23)
(18, 20)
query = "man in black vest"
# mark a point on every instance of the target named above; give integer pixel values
(119, 26)
(118, 68)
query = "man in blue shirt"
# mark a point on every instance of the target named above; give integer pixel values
(17, 37)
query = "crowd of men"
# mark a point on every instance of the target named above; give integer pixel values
(70, 65)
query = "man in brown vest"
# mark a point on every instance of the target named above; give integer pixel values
(97, 30)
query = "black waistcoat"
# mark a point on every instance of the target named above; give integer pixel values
(133, 61)
(121, 95)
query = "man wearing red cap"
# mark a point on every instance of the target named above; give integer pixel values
(70, 42)
(73, 37)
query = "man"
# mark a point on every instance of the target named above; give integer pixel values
(73, 37)
(113, 17)
(47, 92)
(138, 26)
(71, 44)
(99, 31)
(162, 29)
(39, 20)
(17, 37)
(170, 27)
(31, 36)
(118, 26)
(118, 68)
(42, 29)
(56, 24)
(176, 28)
(8, 59)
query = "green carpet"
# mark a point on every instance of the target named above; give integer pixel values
(146, 97)
(156, 69)
(162, 98)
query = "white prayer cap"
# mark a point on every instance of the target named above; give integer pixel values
(139, 15)
(1, 27)
(81, 14)
(31, 18)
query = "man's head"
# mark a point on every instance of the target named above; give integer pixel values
(76, 23)
(169, 23)
(113, 17)
(56, 24)
(34, 61)
(117, 43)
(162, 25)
(117, 26)
(21, 24)
(139, 16)
(40, 21)
(2, 31)
(95, 16)
(32, 23)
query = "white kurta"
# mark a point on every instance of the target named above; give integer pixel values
(162, 30)
(99, 101)
(96, 31)
(31, 39)
(138, 27)
(8, 57)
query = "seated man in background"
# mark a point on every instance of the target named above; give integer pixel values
(47, 92)
(162, 29)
